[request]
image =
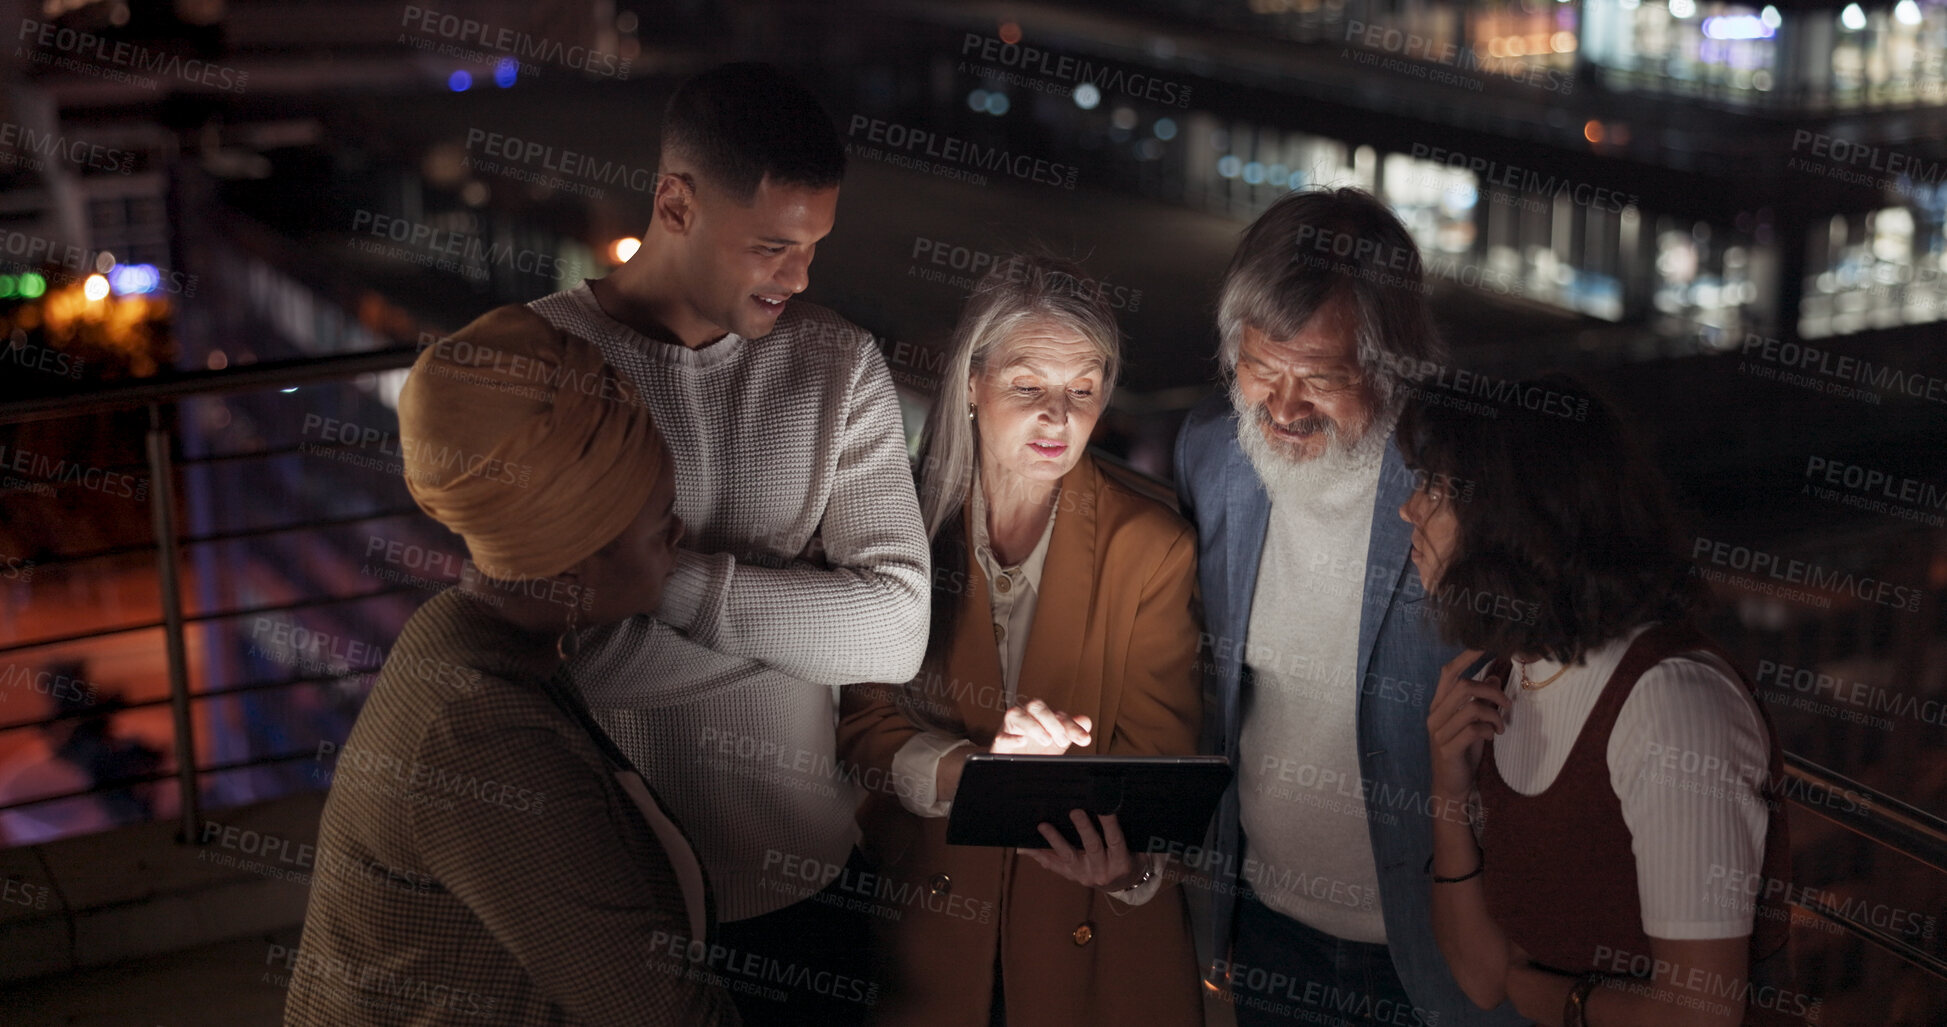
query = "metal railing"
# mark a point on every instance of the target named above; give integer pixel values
(154, 393)
(1886, 822)
(1882, 819)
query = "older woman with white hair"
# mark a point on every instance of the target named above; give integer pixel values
(1062, 623)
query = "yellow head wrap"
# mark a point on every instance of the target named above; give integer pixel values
(522, 440)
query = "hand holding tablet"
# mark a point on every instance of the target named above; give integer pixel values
(1103, 861)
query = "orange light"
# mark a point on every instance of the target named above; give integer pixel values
(622, 249)
(1010, 33)
(1592, 131)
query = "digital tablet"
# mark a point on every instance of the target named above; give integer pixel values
(1158, 800)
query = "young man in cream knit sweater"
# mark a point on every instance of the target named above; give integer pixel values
(804, 565)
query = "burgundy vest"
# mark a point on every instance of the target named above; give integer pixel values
(1560, 874)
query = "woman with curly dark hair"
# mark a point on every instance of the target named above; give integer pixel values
(1624, 770)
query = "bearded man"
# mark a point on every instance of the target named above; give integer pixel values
(1321, 655)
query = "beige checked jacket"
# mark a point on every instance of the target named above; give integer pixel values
(478, 862)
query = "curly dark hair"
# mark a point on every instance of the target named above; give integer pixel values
(1563, 521)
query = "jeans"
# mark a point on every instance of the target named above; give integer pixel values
(1283, 972)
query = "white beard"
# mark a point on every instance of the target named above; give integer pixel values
(1284, 475)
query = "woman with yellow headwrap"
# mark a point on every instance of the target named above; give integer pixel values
(486, 854)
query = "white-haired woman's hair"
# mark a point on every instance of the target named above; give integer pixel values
(1021, 292)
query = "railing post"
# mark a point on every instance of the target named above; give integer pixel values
(162, 516)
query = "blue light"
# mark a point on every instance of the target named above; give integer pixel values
(1254, 173)
(1228, 166)
(459, 81)
(977, 101)
(997, 104)
(125, 279)
(507, 72)
(1737, 26)
(1165, 129)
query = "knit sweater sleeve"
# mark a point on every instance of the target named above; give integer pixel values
(863, 615)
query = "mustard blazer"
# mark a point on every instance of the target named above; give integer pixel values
(1114, 637)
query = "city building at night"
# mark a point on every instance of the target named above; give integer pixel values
(229, 229)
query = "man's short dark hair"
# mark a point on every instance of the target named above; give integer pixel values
(1568, 535)
(738, 123)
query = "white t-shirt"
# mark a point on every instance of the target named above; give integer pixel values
(1688, 759)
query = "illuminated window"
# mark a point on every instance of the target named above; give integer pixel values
(1238, 168)
(1712, 281)
(1437, 202)
(1853, 57)
(1884, 269)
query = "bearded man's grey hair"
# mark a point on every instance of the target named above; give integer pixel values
(1313, 245)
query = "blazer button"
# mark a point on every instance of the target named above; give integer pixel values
(939, 884)
(1085, 933)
